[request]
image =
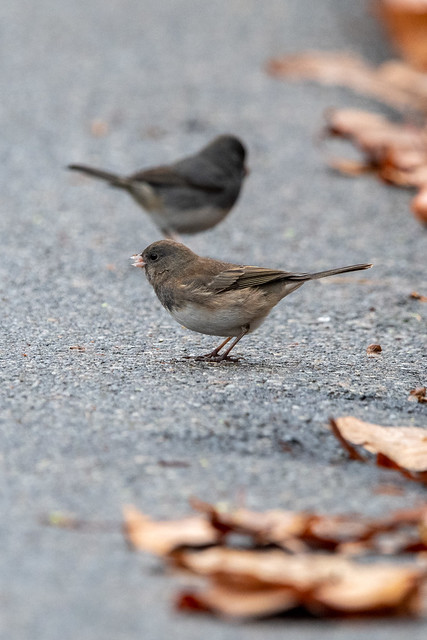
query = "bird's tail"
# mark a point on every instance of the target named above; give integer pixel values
(114, 179)
(329, 272)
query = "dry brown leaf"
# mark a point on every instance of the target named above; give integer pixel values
(258, 582)
(416, 295)
(332, 532)
(298, 532)
(273, 526)
(406, 21)
(355, 535)
(418, 395)
(292, 530)
(398, 151)
(393, 82)
(372, 590)
(238, 603)
(373, 349)
(162, 537)
(322, 584)
(401, 448)
(353, 453)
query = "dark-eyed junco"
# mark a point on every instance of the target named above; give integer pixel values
(190, 195)
(218, 298)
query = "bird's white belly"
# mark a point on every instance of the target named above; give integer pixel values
(214, 322)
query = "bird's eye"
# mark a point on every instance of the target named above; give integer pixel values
(153, 256)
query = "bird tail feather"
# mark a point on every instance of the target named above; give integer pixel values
(329, 272)
(114, 179)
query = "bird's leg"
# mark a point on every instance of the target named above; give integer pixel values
(214, 357)
(214, 353)
(225, 355)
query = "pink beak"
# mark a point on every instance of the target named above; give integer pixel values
(138, 261)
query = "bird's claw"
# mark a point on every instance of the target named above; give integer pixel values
(215, 357)
(212, 357)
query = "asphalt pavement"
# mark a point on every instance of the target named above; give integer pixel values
(99, 406)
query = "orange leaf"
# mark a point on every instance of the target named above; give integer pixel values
(322, 584)
(239, 603)
(405, 448)
(162, 537)
(373, 348)
(414, 294)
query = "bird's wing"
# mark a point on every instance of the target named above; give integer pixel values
(200, 173)
(244, 277)
(160, 177)
(189, 172)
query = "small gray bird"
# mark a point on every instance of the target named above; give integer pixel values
(191, 195)
(218, 298)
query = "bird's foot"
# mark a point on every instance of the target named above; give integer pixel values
(212, 357)
(216, 357)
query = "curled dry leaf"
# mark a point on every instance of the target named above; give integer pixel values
(277, 572)
(416, 295)
(77, 347)
(162, 537)
(418, 395)
(401, 448)
(298, 532)
(273, 526)
(398, 151)
(373, 348)
(276, 582)
(292, 531)
(238, 603)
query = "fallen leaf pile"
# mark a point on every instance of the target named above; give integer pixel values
(395, 151)
(400, 448)
(289, 560)
(261, 583)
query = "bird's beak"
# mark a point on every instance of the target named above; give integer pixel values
(138, 261)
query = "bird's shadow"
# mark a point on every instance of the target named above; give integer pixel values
(239, 362)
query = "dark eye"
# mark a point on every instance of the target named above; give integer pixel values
(153, 256)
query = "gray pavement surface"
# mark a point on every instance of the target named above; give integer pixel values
(85, 432)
